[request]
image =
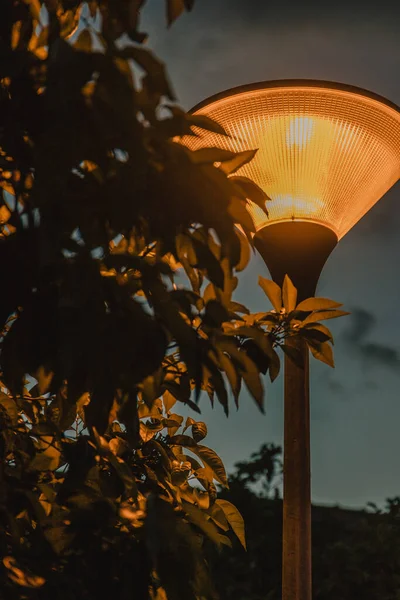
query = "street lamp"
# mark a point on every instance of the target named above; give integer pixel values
(327, 153)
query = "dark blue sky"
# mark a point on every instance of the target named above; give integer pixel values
(355, 409)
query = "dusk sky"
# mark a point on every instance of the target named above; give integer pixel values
(355, 408)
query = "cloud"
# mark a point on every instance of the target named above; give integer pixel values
(362, 322)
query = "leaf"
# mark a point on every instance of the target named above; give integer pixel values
(183, 440)
(323, 315)
(289, 293)
(205, 122)
(317, 333)
(215, 314)
(317, 304)
(173, 423)
(239, 308)
(245, 255)
(273, 291)
(274, 367)
(322, 351)
(239, 160)
(199, 431)
(213, 461)
(189, 423)
(149, 430)
(175, 8)
(84, 41)
(251, 191)
(240, 215)
(210, 155)
(154, 68)
(9, 406)
(206, 260)
(198, 518)
(47, 456)
(231, 372)
(168, 400)
(234, 518)
(218, 516)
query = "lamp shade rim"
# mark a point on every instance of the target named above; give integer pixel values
(299, 84)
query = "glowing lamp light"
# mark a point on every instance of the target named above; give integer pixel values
(334, 150)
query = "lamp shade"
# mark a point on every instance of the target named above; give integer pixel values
(327, 152)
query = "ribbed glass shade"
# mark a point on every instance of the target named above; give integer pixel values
(326, 153)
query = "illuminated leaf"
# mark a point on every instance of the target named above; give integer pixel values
(199, 431)
(322, 352)
(251, 191)
(204, 122)
(317, 304)
(323, 315)
(234, 519)
(236, 162)
(210, 155)
(273, 291)
(289, 294)
(213, 461)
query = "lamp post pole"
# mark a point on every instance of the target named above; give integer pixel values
(299, 249)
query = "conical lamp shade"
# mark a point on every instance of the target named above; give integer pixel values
(326, 152)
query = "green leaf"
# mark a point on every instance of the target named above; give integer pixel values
(239, 160)
(273, 291)
(234, 519)
(289, 293)
(322, 351)
(317, 304)
(323, 315)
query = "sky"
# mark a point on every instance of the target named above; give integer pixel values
(355, 408)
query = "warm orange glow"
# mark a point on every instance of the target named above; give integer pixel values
(325, 154)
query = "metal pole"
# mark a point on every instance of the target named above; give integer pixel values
(296, 550)
(299, 249)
